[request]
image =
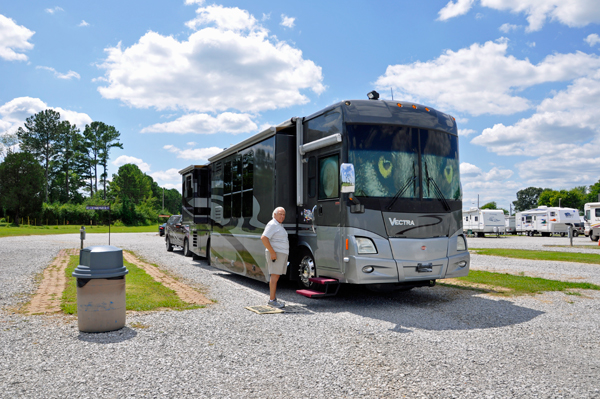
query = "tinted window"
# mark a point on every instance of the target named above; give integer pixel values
(329, 177)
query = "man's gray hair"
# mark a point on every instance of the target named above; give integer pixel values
(277, 210)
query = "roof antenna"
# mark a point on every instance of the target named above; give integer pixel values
(392, 90)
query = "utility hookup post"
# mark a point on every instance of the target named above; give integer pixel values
(82, 235)
(571, 234)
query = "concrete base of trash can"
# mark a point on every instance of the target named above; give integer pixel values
(101, 305)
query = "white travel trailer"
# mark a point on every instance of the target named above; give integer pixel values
(481, 221)
(546, 221)
(592, 220)
(509, 225)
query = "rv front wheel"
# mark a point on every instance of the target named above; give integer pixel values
(306, 270)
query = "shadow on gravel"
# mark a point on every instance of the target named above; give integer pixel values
(437, 308)
(110, 337)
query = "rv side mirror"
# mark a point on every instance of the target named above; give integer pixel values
(347, 177)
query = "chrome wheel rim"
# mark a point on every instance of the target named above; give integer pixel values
(307, 270)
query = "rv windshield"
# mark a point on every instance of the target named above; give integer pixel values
(387, 158)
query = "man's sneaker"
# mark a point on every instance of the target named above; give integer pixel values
(276, 304)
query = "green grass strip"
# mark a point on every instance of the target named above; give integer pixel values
(142, 292)
(539, 255)
(7, 230)
(522, 285)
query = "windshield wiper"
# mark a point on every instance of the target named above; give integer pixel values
(403, 189)
(436, 189)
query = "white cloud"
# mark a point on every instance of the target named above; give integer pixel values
(506, 28)
(482, 79)
(166, 175)
(266, 17)
(453, 9)
(198, 155)
(573, 13)
(53, 10)
(494, 185)
(226, 122)
(231, 64)
(562, 138)
(13, 40)
(190, 143)
(125, 159)
(199, 2)
(592, 39)
(83, 23)
(286, 21)
(66, 76)
(14, 113)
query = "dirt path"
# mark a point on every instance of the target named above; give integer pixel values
(184, 291)
(47, 298)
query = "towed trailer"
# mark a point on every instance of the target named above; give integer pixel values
(371, 188)
(482, 221)
(546, 221)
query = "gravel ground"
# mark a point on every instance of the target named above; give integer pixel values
(429, 342)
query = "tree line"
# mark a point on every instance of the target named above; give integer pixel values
(532, 197)
(59, 170)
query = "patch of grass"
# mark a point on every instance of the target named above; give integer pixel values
(539, 255)
(520, 285)
(7, 230)
(142, 292)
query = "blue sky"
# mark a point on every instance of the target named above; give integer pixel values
(181, 80)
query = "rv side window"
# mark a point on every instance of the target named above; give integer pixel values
(247, 183)
(312, 177)
(187, 190)
(528, 219)
(329, 177)
(476, 218)
(597, 212)
(552, 214)
(227, 178)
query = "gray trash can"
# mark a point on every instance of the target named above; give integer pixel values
(100, 289)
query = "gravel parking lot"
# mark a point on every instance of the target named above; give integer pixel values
(428, 342)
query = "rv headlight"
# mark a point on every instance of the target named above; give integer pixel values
(365, 245)
(461, 243)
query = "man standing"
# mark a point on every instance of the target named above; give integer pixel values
(275, 240)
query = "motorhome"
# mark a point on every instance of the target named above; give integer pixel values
(546, 221)
(481, 221)
(592, 220)
(371, 188)
(510, 225)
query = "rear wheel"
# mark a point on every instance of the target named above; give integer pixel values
(186, 249)
(168, 243)
(575, 234)
(306, 270)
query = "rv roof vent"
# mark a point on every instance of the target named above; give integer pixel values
(542, 206)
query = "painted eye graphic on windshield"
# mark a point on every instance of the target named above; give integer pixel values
(385, 167)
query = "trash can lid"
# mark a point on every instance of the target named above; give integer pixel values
(103, 261)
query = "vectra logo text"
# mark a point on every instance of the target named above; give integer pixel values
(396, 222)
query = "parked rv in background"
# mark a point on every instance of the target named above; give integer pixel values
(592, 220)
(547, 221)
(481, 221)
(510, 225)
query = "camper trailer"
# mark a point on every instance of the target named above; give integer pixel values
(546, 221)
(509, 225)
(481, 221)
(592, 220)
(372, 193)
